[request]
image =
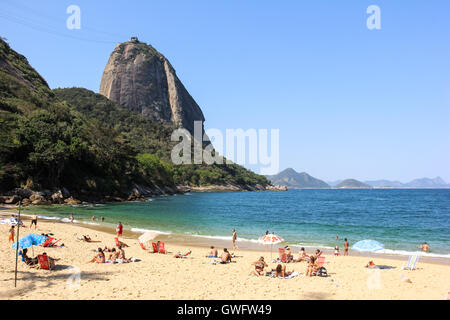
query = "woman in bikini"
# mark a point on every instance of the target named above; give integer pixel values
(259, 267)
(312, 266)
(280, 271)
(301, 255)
(99, 257)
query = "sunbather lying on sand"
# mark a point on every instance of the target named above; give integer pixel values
(179, 255)
(259, 267)
(280, 271)
(122, 244)
(84, 238)
(99, 257)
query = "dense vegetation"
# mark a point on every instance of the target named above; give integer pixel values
(146, 137)
(80, 140)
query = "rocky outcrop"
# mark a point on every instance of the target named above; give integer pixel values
(141, 79)
(71, 201)
(277, 188)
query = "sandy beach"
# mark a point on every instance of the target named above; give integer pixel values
(159, 276)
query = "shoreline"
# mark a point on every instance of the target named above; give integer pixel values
(204, 242)
(160, 276)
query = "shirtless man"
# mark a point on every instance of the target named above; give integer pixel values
(213, 253)
(345, 247)
(234, 239)
(226, 256)
(425, 247)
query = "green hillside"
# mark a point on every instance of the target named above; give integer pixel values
(79, 140)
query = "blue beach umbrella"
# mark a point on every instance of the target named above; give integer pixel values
(368, 246)
(30, 240)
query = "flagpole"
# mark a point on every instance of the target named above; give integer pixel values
(17, 246)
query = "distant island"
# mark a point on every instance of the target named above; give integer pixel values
(352, 184)
(294, 180)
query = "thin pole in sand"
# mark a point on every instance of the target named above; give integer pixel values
(17, 245)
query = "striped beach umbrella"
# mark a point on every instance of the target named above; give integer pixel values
(270, 239)
(368, 246)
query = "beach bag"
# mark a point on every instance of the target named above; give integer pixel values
(322, 272)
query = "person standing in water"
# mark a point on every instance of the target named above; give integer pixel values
(234, 238)
(71, 218)
(425, 247)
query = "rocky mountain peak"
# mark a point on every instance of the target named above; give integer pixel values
(141, 79)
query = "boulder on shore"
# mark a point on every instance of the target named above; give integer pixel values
(71, 201)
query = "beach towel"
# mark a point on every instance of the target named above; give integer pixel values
(10, 221)
(292, 275)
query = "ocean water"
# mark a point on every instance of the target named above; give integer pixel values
(401, 219)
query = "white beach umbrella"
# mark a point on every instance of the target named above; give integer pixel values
(270, 239)
(148, 236)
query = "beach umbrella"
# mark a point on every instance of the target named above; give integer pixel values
(270, 239)
(368, 246)
(148, 236)
(29, 240)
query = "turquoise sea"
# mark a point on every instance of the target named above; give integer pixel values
(399, 218)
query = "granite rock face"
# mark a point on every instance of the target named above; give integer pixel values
(142, 80)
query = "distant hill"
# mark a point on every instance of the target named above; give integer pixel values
(352, 184)
(437, 182)
(294, 180)
(385, 184)
(335, 182)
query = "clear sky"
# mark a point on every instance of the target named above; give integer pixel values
(349, 102)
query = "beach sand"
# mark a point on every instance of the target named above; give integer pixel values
(158, 276)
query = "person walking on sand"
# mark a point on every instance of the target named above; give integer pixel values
(345, 247)
(34, 219)
(11, 234)
(119, 229)
(71, 218)
(234, 238)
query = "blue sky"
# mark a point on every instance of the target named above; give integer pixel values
(349, 102)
